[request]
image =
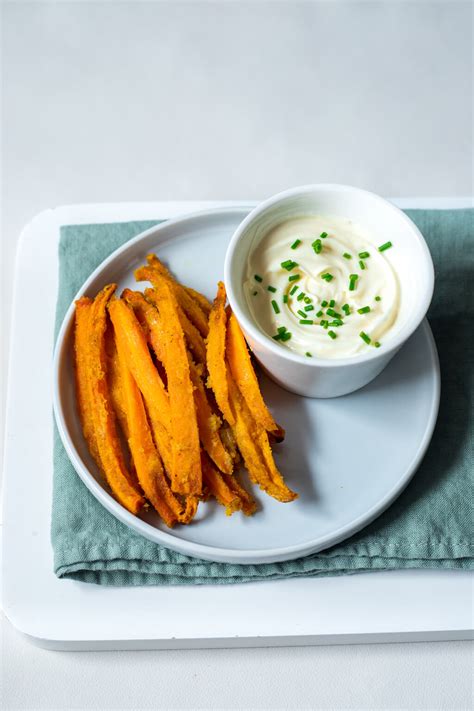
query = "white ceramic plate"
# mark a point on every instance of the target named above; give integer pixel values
(348, 457)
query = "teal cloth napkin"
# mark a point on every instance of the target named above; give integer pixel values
(429, 526)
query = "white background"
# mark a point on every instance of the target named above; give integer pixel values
(110, 101)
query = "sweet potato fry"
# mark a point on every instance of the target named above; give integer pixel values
(192, 309)
(216, 366)
(130, 336)
(200, 299)
(81, 356)
(247, 502)
(208, 422)
(186, 475)
(244, 375)
(108, 444)
(117, 395)
(218, 487)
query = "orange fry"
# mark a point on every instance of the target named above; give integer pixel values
(200, 299)
(81, 350)
(186, 475)
(218, 487)
(130, 337)
(247, 502)
(244, 375)
(108, 444)
(216, 354)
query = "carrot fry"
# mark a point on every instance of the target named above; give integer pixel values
(192, 310)
(219, 488)
(131, 338)
(186, 475)
(216, 354)
(208, 422)
(245, 377)
(108, 444)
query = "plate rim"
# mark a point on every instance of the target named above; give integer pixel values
(199, 550)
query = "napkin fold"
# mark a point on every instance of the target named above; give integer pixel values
(430, 524)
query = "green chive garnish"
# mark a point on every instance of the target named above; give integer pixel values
(295, 288)
(317, 245)
(364, 255)
(281, 329)
(347, 309)
(277, 337)
(324, 304)
(271, 288)
(255, 293)
(286, 336)
(309, 308)
(332, 335)
(301, 313)
(276, 308)
(294, 277)
(319, 314)
(334, 314)
(352, 281)
(365, 337)
(332, 303)
(362, 264)
(306, 321)
(323, 235)
(301, 296)
(258, 278)
(289, 264)
(308, 354)
(324, 323)
(327, 276)
(346, 255)
(385, 246)
(307, 300)
(377, 344)
(378, 298)
(285, 298)
(363, 310)
(337, 322)
(296, 243)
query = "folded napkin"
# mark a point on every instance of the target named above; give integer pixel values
(430, 524)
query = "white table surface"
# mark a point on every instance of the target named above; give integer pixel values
(167, 100)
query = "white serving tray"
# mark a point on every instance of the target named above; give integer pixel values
(66, 615)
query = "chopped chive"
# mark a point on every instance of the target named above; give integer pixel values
(385, 246)
(332, 303)
(323, 235)
(324, 323)
(365, 337)
(347, 309)
(364, 255)
(301, 296)
(362, 264)
(277, 337)
(258, 278)
(346, 255)
(296, 243)
(377, 344)
(378, 298)
(308, 354)
(289, 264)
(363, 310)
(334, 314)
(295, 288)
(255, 293)
(285, 298)
(337, 322)
(352, 281)
(276, 308)
(301, 313)
(307, 300)
(306, 321)
(319, 314)
(294, 277)
(309, 308)
(327, 276)
(324, 304)
(317, 245)
(286, 336)
(281, 329)
(271, 288)
(332, 335)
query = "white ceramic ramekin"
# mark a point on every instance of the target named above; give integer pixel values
(410, 258)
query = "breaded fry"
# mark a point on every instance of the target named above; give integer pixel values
(186, 475)
(244, 375)
(218, 487)
(108, 445)
(130, 336)
(216, 343)
(115, 383)
(247, 502)
(82, 336)
(200, 299)
(190, 307)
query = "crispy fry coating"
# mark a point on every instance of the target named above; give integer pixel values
(200, 299)
(130, 336)
(244, 375)
(82, 336)
(186, 475)
(108, 445)
(117, 395)
(219, 488)
(216, 344)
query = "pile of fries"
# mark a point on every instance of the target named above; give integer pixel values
(169, 401)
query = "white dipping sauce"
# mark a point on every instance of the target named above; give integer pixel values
(376, 287)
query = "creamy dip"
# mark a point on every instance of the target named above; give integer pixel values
(320, 287)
